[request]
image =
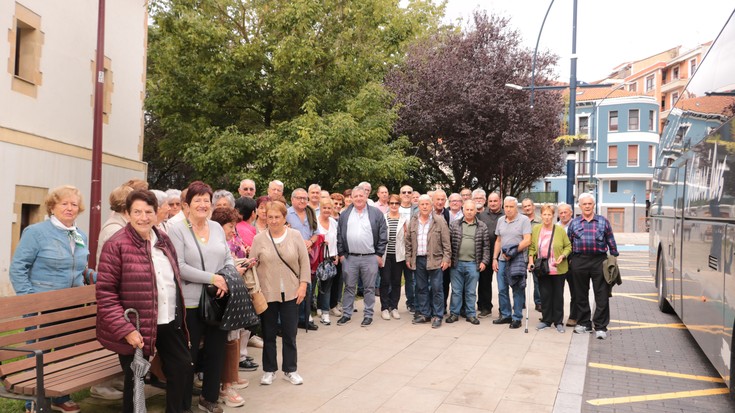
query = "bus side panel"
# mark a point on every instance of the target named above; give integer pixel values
(727, 341)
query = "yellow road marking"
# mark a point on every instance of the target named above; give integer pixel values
(659, 396)
(657, 373)
(636, 296)
(636, 325)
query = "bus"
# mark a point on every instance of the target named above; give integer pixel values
(692, 236)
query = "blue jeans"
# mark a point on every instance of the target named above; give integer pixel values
(410, 286)
(324, 294)
(464, 282)
(536, 291)
(425, 305)
(519, 296)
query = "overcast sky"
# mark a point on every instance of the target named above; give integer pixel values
(609, 32)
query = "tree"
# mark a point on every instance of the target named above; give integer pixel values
(240, 88)
(453, 104)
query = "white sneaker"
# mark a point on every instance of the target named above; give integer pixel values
(601, 335)
(105, 392)
(267, 378)
(395, 314)
(325, 319)
(231, 398)
(336, 312)
(294, 378)
(255, 341)
(385, 315)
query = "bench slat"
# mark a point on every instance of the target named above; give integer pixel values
(48, 331)
(63, 379)
(92, 356)
(19, 305)
(45, 318)
(58, 342)
(54, 356)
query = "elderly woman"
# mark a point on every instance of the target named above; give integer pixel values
(552, 285)
(245, 206)
(52, 255)
(138, 269)
(283, 272)
(223, 198)
(163, 209)
(347, 194)
(202, 250)
(394, 260)
(327, 226)
(117, 219)
(261, 219)
(174, 202)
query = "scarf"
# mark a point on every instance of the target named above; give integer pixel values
(75, 238)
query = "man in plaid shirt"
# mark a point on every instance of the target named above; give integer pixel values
(592, 238)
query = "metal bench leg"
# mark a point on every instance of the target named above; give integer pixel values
(43, 405)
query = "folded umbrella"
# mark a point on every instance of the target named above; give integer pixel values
(140, 367)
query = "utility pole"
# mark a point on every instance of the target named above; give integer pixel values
(95, 210)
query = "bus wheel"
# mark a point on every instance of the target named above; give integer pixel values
(663, 303)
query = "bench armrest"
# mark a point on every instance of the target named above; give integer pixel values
(41, 402)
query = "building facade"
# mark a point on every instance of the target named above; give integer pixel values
(47, 100)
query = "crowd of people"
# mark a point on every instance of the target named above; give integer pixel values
(160, 252)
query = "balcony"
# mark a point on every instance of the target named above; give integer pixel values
(541, 197)
(674, 85)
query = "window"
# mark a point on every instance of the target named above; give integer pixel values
(675, 73)
(612, 123)
(633, 119)
(633, 87)
(584, 125)
(650, 83)
(692, 67)
(632, 155)
(651, 121)
(674, 98)
(26, 40)
(583, 165)
(650, 155)
(584, 186)
(679, 137)
(547, 186)
(613, 186)
(612, 156)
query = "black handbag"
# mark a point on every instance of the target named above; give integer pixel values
(541, 267)
(326, 270)
(211, 308)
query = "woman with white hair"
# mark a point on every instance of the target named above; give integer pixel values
(163, 210)
(223, 198)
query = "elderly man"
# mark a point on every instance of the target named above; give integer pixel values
(565, 218)
(247, 188)
(275, 188)
(302, 219)
(592, 238)
(383, 195)
(529, 210)
(407, 210)
(466, 194)
(513, 234)
(439, 200)
(478, 195)
(428, 253)
(368, 190)
(490, 217)
(415, 199)
(455, 207)
(470, 241)
(315, 197)
(362, 235)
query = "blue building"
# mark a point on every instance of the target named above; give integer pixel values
(615, 152)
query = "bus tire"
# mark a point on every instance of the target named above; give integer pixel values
(663, 304)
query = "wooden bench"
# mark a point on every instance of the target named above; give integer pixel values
(49, 347)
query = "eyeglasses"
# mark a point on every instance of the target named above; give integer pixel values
(456, 200)
(301, 198)
(247, 189)
(394, 203)
(407, 192)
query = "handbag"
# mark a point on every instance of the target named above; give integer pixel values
(211, 308)
(541, 269)
(326, 270)
(256, 295)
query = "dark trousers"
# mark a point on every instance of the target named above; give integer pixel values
(288, 312)
(177, 368)
(429, 293)
(213, 357)
(324, 294)
(485, 290)
(304, 312)
(390, 282)
(572, 296)
(586, 268)
(335, 295)
(552, 299)
(410, 286)
(446, 282)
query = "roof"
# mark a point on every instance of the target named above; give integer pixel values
(597, 93)
(718, 105)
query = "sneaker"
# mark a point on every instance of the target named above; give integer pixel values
(366, 322)
(336, 312)
(105, 392)
(436, 322)
(210, 407)
(325, 319)
(582, 329)
(472, 320)
(344, 320)
(267, 378)
(230, 398)
(452, 318)
(601, 335)
(385, 315)
(255, 341)
(248, 365)
(294, 378)
(395, 314)
(66, 407)
(411, 309)
(541, 326)
(419, 319)
(485, 313)
(240, 384)
(560, 328)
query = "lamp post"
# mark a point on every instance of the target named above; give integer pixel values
(633, 199)
(95, 203)
(571, 158)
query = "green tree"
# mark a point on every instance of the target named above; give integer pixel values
(277, 89)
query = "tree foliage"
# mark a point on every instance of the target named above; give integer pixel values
(278, 89)
(455, 107)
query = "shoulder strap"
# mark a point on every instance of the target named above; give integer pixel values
(551, 241)
(279, 255)
(196, 242)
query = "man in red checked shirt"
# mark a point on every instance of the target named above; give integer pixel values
(592, 238)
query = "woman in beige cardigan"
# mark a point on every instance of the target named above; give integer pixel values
(284, 272)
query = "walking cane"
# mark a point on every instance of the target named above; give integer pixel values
(528, 306)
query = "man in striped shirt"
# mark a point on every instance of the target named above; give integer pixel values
(592, 238)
